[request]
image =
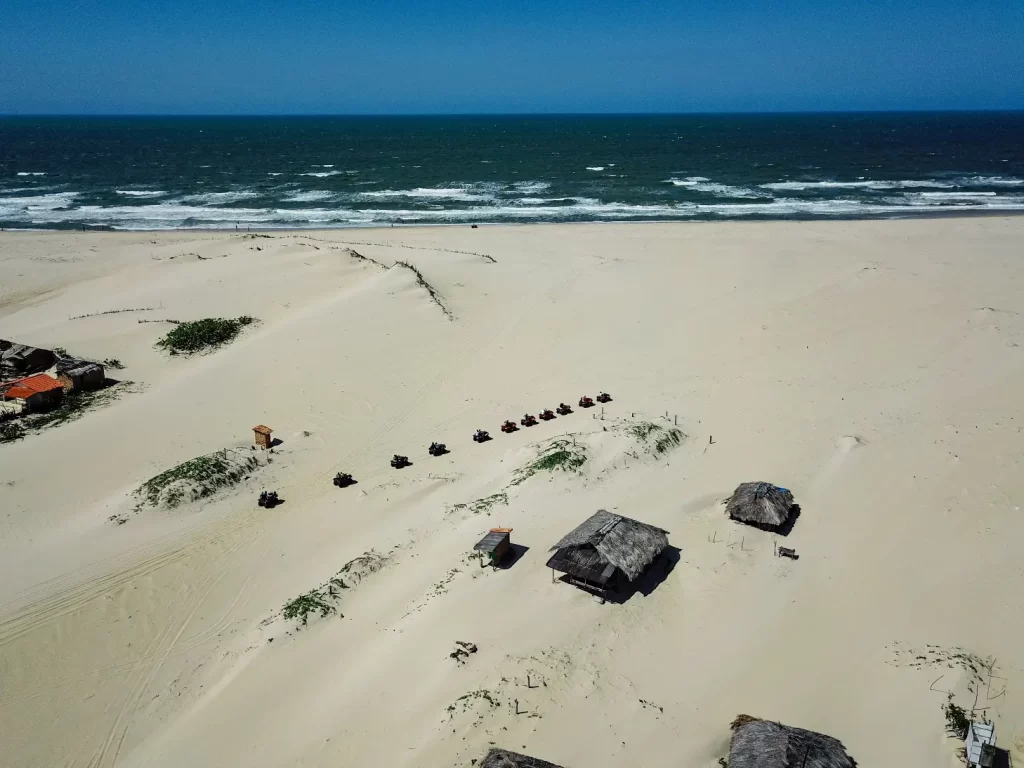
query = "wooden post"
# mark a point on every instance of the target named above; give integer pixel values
(517, 706)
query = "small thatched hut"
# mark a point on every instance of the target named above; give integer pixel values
(607, 547)
(760, 743)
(499, 758)
(760, 504)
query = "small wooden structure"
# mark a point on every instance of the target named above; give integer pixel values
(495, 545)
(980, 745)
(762, 505)
(262, 435)
(80, 375)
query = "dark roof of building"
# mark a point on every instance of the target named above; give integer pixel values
(760, 503)
(75, 367)
(763, 744)
(493, 539)
(607, 539)
(500, 758)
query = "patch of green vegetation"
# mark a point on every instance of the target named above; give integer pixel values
(195, 479)
(561, 454)
(74, 406)
(322, 599)
(486, 503)
(198, 335)
(656, 437)
(464, 702)
(957, 721)
(303, 605)
(11, 431)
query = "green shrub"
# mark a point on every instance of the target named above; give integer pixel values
(195, 479)
(11, 431)
(208, 333)
(560, 454)
(303, 605)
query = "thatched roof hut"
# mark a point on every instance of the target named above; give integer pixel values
(499, 758)
(760, 743)
(760, 504)
(605, 545)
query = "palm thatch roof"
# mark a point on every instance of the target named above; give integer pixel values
(761, 504)
(760, 743)
(499, 758)
(606, 542)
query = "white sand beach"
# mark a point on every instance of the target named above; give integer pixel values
(874, 368)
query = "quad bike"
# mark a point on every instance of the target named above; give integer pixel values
(509, 426)
(481, 436)
(398, 462)
(528, 420)
(586, 402)
(563, 409)
(437, 449)
(343, 480)
(604, 397)
(268, 500)
(547, 414)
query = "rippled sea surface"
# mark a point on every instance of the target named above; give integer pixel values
(282, 172)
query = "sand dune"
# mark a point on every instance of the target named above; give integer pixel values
(873, 368)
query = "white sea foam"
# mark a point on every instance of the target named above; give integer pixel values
(703, 184)
(219, 198)
(309, 197)
(31, 173)
(799, 186)
(26, 207)
(530, 187)
(321, 174)
(140, 192)
(951, 182)
(58, 208)
(466, 193)
(595, 167)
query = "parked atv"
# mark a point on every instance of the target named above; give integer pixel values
(604, 397)
(398, 462)
(528, 420)
(563, 409)
(437, 449)
(268, 500)
(481, 436)
(547, 414)
(509, 426)
(343, 480)
(586, 402)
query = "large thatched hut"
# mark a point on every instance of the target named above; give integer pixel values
(760, 743)
(499, 758)
(606, 548)
(761, 504)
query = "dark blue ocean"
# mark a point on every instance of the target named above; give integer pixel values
(282, 172)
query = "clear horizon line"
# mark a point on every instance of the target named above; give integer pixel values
(5, 115)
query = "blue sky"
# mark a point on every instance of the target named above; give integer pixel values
(401, 56)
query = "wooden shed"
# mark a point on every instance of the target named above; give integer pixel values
(495, 545)
(262, 433)
(80, 375)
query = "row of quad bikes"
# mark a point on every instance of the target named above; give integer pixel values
(344, 479)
